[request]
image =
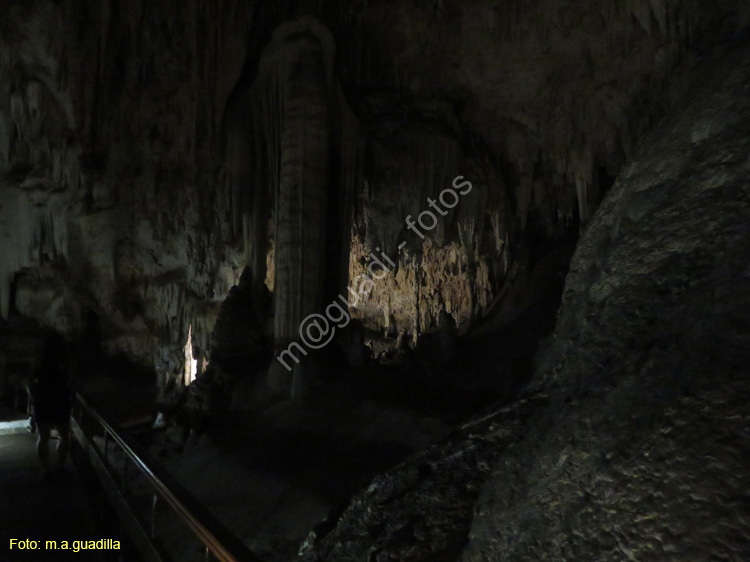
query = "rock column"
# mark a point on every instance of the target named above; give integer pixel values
(300, 56)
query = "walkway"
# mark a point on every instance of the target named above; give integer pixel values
(31, 508)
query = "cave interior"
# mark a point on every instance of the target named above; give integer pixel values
(405, 280)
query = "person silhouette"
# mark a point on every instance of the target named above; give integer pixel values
(51, 404)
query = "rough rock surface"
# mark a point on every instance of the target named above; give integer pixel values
(422, 510)
(642, 453)
(633, 440)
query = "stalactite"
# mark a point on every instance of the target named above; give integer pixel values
(449, 269)
(659, 9)
(345, 143)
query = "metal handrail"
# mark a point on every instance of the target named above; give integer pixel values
(197, 519)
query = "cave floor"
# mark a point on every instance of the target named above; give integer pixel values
(272, 475)
(271, 472)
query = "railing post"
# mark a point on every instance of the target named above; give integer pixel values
(153, 516)
(198, 523)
